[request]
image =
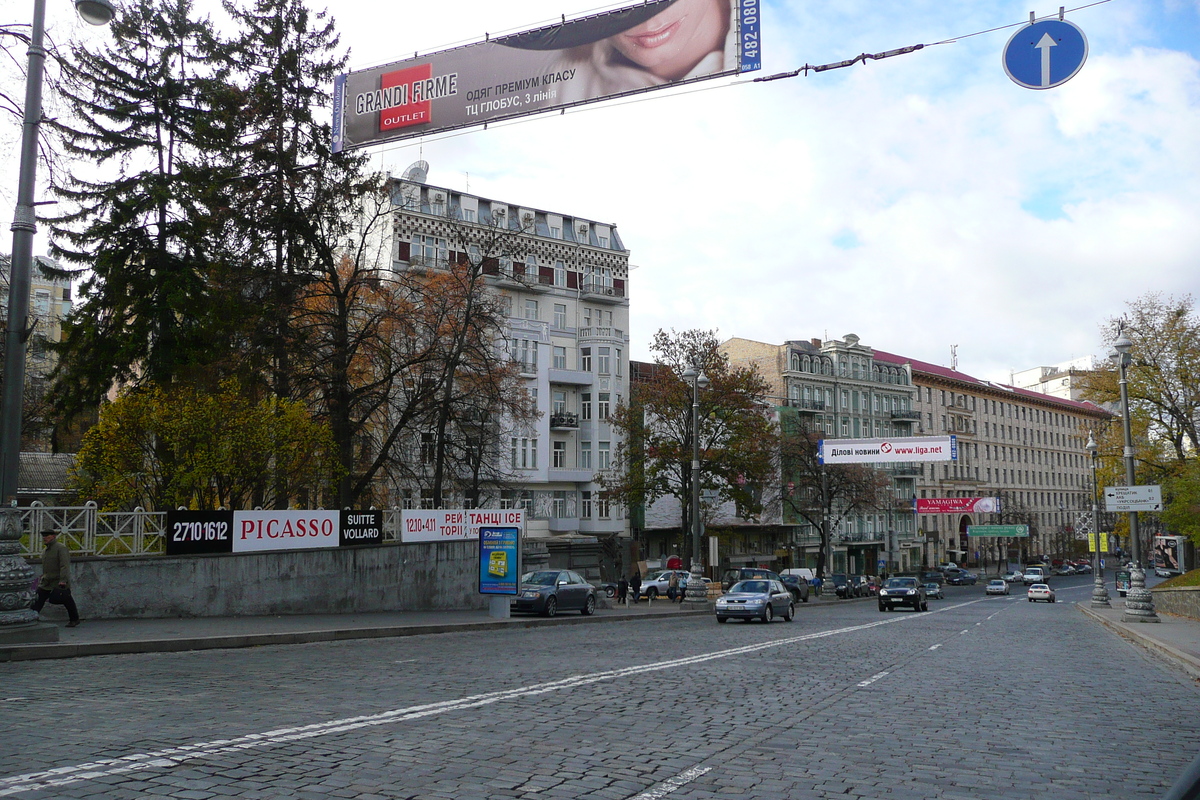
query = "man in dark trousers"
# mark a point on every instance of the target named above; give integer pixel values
(635, 585)
(55, 583)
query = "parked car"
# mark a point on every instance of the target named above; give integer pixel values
(657, 584)
(797, 585)
(934, 576)
(998, 586)
(861, 586)
(1064, 569)
(758, 598)
(547, 592)
(736, 574)
(903, 592)
(1040, 591)
(962, 578)
(1083, 569)
(1013, 577)
(933, 589)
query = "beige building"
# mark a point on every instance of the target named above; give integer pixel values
(1023, 446)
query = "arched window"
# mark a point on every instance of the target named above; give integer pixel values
(795, 363)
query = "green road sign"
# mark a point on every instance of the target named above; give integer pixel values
(1019, 531)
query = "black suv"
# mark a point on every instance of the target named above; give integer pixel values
(797, 586)
(903, 591)
(842, 586)
(736, 574)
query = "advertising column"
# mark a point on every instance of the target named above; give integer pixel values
(499, 567)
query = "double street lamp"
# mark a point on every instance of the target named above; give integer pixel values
(697, 592)
(1099, 592)
(94, 12)
(1139, 607)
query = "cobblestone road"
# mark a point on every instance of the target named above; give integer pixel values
(980, 698)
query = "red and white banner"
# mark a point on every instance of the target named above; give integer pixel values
(455, 525)
(958, 505)
(284, 530)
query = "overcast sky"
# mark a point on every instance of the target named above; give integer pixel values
(920, 202)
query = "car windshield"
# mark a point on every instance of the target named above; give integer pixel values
(541, 578)
(902, 583)
(750, 587)
(995, 583)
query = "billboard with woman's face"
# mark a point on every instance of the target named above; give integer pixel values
(634, 49)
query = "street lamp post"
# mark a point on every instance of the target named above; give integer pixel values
(15, 572)
(1139, 606)
(1099, 592)
(697, 592)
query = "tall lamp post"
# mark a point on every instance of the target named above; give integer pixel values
(1099, 592)
(16, 619)
(1139, 607)
(697, 592)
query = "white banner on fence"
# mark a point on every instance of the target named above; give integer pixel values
(450, 525)
(284, 530)
(876, 451)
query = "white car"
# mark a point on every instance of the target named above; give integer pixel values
(1013, 577)
(1040, 591)
(998, 586)
(1033, 575)
(656, 584)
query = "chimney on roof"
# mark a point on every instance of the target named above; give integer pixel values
(816, 342)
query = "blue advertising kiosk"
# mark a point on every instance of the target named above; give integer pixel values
(499, 567)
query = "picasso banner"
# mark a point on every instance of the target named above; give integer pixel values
(876, 451)
(958, 505)
(629, 50)
(194, 532)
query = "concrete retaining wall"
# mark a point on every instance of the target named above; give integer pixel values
(389, 577)
(1183, 601)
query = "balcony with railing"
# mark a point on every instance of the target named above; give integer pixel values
(564, 421)
(806, 404)
(906, 415)
(594, 290)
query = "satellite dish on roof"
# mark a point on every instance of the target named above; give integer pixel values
(417, 172)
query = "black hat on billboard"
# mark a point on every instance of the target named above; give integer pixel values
(587, 30)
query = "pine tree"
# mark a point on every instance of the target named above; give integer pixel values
(137, 107)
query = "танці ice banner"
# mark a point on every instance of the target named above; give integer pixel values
(638, 48)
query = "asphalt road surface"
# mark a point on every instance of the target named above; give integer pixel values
(977, 698)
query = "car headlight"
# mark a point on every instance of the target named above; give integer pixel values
(530, 595)
(754, 602)
(722, 602)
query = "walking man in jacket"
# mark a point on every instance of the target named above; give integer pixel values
(55, 583)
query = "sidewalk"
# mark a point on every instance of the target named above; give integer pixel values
(122, 636)
(1175, 638)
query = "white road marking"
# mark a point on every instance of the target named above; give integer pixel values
(935, 647)
(668, 786)
(960, 633)
(404, 661)
(872, 679)
(174, 756)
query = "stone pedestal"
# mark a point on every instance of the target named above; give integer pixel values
(1139, 605)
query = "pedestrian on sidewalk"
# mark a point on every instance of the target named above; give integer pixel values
(55, 584)
(635, 585)
(673, 587)
(622, 590)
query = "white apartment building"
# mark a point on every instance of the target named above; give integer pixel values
(1060, 380)
(567, 295)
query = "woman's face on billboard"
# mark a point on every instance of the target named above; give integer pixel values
(670, 44)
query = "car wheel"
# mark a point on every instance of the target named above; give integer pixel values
(610, 591)
(768, 613)
(589, 606)
(925, 606)
(882, 608)
(652, 593)
(551, 607)
(1030, 599)
(722, 619)
(804, 598)
(791, 612)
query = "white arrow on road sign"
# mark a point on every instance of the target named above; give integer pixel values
(1044, 45)
(1133, 498)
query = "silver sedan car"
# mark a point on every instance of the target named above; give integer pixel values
(756, 599)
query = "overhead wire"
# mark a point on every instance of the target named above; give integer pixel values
(643, 97)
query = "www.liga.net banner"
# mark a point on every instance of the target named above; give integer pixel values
(626, 51)
(888, 451)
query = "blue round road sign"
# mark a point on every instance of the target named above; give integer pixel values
(1045, 54)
